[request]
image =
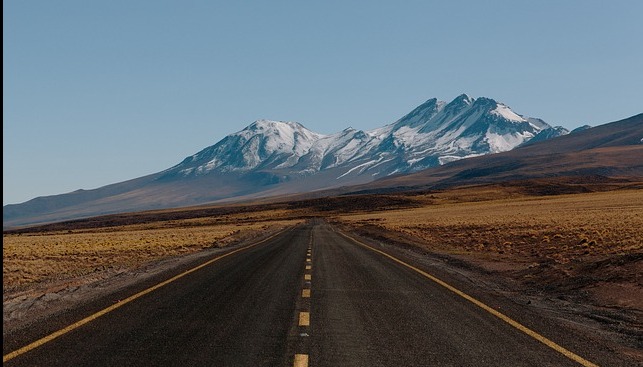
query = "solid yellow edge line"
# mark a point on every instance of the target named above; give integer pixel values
(567, 353)
(111, 308)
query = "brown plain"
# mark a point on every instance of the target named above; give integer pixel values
(567, 241)
(36, 259)
(583, 249)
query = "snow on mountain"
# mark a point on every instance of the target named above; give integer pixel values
(272, 158)
(436, 132)
(432, 134)
(263, 144)
(546, 134)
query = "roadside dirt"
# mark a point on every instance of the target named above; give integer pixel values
(24, 306)
(575, 258)
(602, 299)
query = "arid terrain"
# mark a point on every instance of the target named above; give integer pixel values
(576, 256)
(49, 270)
(573, 249)
(565, 242)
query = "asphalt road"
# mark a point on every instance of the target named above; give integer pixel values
(307, 297)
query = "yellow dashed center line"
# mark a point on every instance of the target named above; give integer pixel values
(567, 353)
(304, 319)
(301, 360)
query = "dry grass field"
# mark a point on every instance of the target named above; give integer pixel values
(560, 228)
(562, 241)
(566, 242)
(578, 253)
(32, 259)
(577, 257)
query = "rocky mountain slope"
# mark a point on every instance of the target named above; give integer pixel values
(275, 158)
(434, 133)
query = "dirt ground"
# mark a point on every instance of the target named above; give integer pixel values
(578, 257)
(80, 267)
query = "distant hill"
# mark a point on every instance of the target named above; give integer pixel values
(611, 150)
(272, 158)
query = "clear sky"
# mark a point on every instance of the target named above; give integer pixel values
(98, 92)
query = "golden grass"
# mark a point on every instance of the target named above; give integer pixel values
(29, 259)
(490, 223)
(559, 228)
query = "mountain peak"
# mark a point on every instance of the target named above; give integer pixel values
(243, 167)
(421, 113)
(429, 102)
(433, 133)
(463, 99)
(459, 103)
(281, 130)
(263, 124)
(485, 101)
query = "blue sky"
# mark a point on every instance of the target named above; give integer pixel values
(98, 92)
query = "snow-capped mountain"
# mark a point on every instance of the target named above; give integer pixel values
(271, 158)
(262, 145)
(432, 134)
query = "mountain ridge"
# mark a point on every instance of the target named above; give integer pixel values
(433, 133)
(609, 150)
(270, 158)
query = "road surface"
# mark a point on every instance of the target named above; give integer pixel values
(310, 296)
